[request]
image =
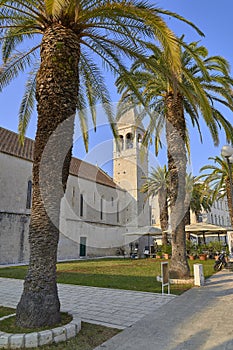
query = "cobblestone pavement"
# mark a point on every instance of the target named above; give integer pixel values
(112, 307)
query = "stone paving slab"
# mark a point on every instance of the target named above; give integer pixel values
(113, 307)
(199, 319)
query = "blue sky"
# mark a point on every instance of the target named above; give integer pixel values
(214, 18)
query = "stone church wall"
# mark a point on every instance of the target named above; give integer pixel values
(14, 246)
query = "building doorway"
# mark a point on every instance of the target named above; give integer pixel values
(83, 245)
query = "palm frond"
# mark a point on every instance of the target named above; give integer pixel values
(16, 64)
(27, 104)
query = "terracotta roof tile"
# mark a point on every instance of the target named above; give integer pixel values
(9, 143)
(88, 171)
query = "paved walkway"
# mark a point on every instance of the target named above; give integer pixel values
(200, 319)
(111, 307)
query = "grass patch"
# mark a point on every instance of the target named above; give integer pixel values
(138, 274)
(5, 311)
(9, 326)
(88, 338)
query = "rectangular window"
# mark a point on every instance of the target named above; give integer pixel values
(29, 195)
(73, 196)
(101, 208)
(118, 214)
(81, 205)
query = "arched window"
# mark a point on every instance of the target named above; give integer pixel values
(29, 195)
(121, 145)
(139, 139)
(212, 219)
(215, 219)
(129, 140)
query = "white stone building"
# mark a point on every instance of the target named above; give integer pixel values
(219, 214)
(96, 211)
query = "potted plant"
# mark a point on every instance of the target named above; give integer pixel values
(217, 248)
(159, 253)
(166, 250)
(191, 250)
(201, 252)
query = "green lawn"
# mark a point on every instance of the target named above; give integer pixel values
(113, 273)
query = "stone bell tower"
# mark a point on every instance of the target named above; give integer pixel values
(130, 167)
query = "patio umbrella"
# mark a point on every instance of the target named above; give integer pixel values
(145, 231)
(204, 229)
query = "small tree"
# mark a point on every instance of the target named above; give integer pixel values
(197, 198)
(156, 184)
(218, 179)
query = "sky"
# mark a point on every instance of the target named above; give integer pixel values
(214, 18)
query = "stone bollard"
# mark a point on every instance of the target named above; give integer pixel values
(199, 278)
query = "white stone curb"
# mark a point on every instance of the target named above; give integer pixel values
(35, 339)
(177, 281)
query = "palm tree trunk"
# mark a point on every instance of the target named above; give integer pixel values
(187, 217)
(175, 135)
(56, 93)
(187, 220)
(163, 213)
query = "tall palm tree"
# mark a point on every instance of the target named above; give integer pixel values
(218, 178)
(66, 38)
(201, 82)
(156, 184)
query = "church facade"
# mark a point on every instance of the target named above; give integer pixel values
(96, 211)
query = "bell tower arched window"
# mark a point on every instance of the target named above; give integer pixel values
(129, 140)
(121, 143)
(139, 139)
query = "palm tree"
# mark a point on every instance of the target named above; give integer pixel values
(201, 82)
(156, 184)
(218, 178)
(66, 38)
(197, 198)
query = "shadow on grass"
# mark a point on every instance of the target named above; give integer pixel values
(137, 283)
